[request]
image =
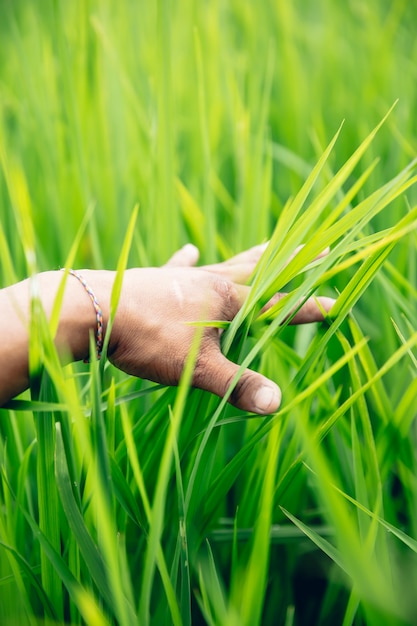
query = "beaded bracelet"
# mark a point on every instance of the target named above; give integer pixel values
(97, 308)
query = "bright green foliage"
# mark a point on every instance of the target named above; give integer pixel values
(127, 129)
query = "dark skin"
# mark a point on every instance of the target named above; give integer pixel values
(152, 332)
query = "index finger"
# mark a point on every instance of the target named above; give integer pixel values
(240, 267)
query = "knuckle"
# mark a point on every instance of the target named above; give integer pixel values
(201, 367)
(229, 300)
(241, 389)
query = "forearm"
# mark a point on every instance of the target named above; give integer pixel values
(77, 318)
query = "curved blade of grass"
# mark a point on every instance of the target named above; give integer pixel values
(212, 600)
(140, 482)
(223, 482)
(118, 580)
(69, 262)
(88, 548)
(17, 564)
(251, 584)
(157, 511)
(27, 571)
(280, 249)
(117, 286)
(183, 543)
(85, 602)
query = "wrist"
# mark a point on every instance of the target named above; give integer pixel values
(85, 310)
(76, 320)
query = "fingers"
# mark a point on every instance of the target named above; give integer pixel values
(252, 255)
(240, 267)
(322, 254)
(233, 296)
(187, 256)
(238, 272)
(229, 298)
(313, 310)
(253, 392)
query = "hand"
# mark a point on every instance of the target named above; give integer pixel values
(152, 334)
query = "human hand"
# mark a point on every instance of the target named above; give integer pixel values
(153, 332)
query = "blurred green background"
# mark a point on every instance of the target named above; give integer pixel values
(207, 114)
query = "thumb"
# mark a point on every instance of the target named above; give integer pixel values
(253, 392)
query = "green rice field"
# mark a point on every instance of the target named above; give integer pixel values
(128, 129)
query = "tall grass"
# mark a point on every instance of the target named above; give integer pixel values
(227, 124)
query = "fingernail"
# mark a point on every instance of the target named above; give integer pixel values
(327, 303)
(267, 399)
(191, 251)
(324, 252)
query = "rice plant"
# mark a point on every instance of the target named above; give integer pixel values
(126, 130)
